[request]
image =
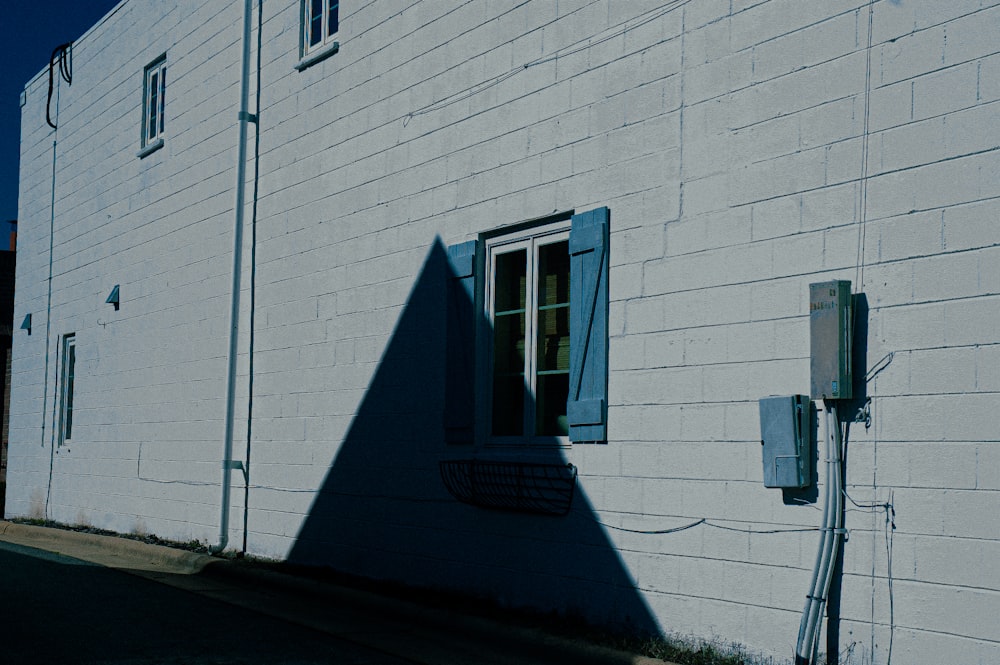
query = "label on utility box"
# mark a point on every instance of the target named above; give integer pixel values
(830, 336)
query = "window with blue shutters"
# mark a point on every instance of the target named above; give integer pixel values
(538, 368)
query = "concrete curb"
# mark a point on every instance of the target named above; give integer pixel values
(112, 551)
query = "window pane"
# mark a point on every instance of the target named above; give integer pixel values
(315, 22)
(508, 375)
(509, 281)
(68, 397)
(553, 273)
(552, 335)
(552, 339)
(163, 94)
(151, 121)
(508, 343)
(333, 19)
(550, 404)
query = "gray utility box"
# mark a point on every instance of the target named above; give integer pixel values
(830, 334)
(785, 438)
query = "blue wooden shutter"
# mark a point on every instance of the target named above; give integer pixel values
(587, 406)
(459, 408)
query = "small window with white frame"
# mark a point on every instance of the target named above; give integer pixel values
(66, 389)
(528, 310)
(320, 24)
(154, 103)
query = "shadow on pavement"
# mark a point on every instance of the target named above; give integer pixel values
(61, 610)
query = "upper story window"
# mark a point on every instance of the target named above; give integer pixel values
(154, 92)
(321, 23)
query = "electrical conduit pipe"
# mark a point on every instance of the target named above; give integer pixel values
(830, 534)
(234, 311)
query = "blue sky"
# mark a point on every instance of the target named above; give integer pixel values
(32, 28)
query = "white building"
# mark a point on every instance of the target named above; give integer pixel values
(412, 176)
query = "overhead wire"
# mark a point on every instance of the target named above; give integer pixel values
(653, 532)
(703, 521)
(64, 53)
(890, 530)
(859, 272)
(862, 215)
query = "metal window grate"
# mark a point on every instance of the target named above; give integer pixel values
(545, 489)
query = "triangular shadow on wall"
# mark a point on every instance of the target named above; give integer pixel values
(383, 512)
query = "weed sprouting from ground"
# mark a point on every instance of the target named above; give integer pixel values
(692, 651)
(190, 546)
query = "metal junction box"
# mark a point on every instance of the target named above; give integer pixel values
(785, 437)
(830, 333)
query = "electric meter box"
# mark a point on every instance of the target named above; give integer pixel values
(785, 438)
(830, 333)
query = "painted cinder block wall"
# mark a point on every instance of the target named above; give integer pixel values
(153, 373)
(744, 149)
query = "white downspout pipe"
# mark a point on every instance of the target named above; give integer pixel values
(234, 312)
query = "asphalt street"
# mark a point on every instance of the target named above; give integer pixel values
(56, 609)
(68, 597)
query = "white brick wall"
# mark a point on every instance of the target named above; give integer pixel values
(727, 138)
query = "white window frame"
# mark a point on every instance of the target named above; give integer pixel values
(328, 38)
(530, 239)
(67, 388)
(154, 92)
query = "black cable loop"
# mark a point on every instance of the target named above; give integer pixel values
(65, 54)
